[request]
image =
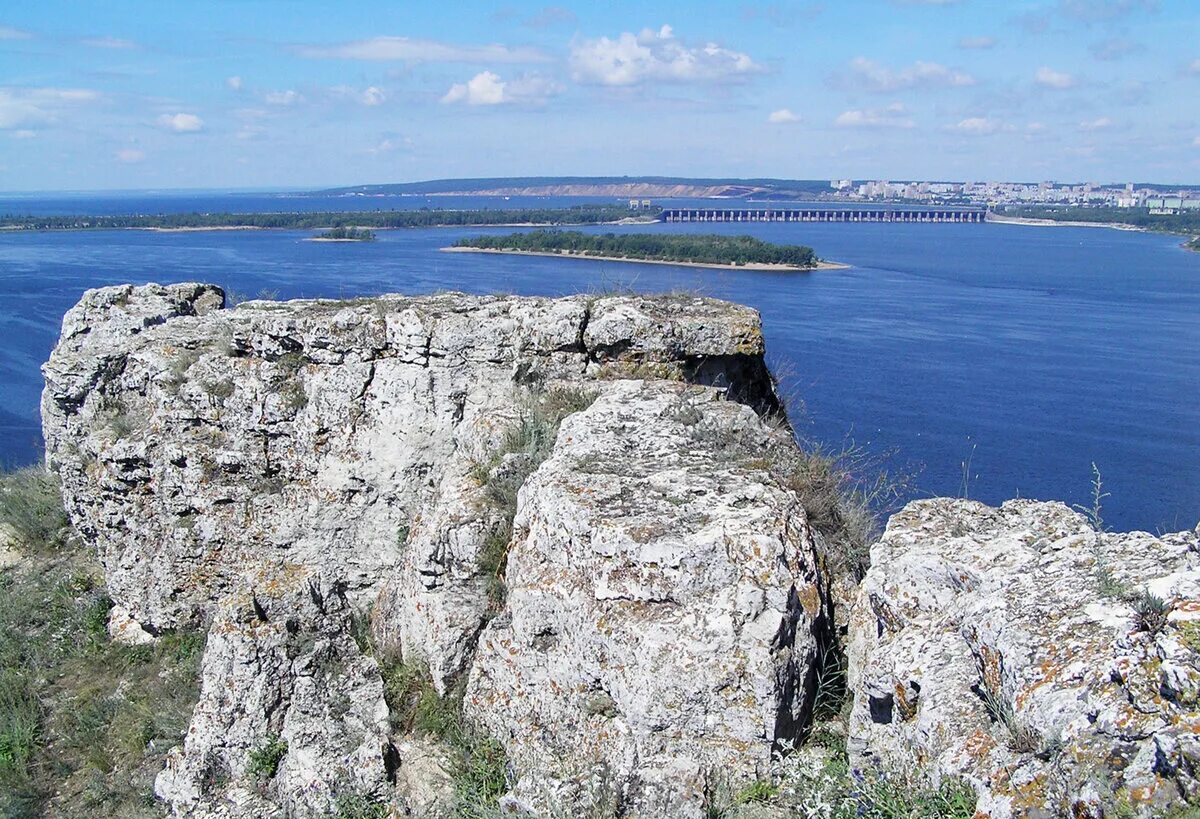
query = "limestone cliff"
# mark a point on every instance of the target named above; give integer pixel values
(267, 469)
(586, 519)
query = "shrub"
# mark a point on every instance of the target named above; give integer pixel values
(263, 762)
(31, 508)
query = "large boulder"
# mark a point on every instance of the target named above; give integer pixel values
(195, 442)
(1053, 667)
(663, 609)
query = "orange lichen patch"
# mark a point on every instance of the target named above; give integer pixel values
(810, 599)
(979, 744)
(905, 705)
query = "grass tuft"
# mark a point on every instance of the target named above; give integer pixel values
(525, 446)
(31, 510)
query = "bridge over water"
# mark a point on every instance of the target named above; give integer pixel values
(811, 214)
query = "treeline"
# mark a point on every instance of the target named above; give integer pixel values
(426, 217)
(702, 248)
(1187, 221)
(348, 234)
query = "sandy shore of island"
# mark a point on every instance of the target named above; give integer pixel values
(1025, 220)
(196, 229)
(323, 239)
(820, 265)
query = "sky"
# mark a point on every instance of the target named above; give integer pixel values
(269, 94)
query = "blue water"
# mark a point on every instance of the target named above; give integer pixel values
(1033, 352)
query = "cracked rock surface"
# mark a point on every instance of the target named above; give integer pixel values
(1005, 646)
(662, 611)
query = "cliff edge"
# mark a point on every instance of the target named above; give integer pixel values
(563, 557)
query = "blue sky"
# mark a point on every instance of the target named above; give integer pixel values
(247, 93)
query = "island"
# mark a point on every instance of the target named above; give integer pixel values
(345, 234)
(322, 220)
(700, 250)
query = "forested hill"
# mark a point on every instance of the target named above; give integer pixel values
(656, 247)
(579, 215)
(616, 186)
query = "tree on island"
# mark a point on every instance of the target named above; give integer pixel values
(707, 248)
(348, 234)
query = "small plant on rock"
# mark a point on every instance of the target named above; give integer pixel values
(1150, 612)
(263, 762)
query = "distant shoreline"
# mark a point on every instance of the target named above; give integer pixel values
(1033, 222)
(782, 268)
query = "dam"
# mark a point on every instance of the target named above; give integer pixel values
(819, 214)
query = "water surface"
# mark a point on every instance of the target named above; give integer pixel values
(1031, 351)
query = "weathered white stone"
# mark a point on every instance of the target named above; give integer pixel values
(194, 442)
(987, 645)
(662, 607)
(281, 666)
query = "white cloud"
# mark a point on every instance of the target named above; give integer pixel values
(181, 123)
(487, 88)
(23, 133)
(649, 56)
(1096, 124)
(114, 43)
(871, 76)
(1096, 10)
(1194, 67)
(893, 116)
(406, 49)
(782, 116)
(7, 33)
(552, 16)
(130, 155)
(233, 83)
(977, 126)
(288, 97)
(1054, 79)
(1035, 128)
(1196, 142)
(369, 96)
(21, 107)
(1114, 48)
(390, 144)
(976, 43)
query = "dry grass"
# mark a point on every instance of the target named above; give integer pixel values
(84, 723)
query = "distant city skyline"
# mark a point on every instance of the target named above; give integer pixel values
(277, 94)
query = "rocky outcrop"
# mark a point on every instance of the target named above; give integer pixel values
(272, 468)
(663, 608)
(290, 712)
(624, 589)
(330, 434)
(1055, 668)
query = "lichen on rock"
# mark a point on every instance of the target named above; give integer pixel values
(1004, 646)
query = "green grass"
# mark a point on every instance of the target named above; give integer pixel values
(479, 766)
(84, 723)
(31, 509)
(525, 446)
(263, 762)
